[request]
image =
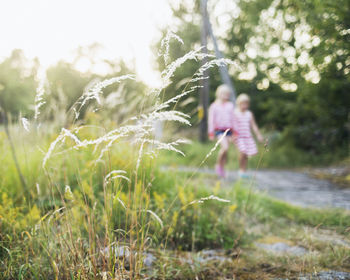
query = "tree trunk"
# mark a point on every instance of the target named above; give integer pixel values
(204, 91)
(225, 77)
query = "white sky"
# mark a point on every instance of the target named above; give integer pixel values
(52, 29)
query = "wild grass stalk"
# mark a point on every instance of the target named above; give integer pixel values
(14, 154)
(79, 229)
(99, 199)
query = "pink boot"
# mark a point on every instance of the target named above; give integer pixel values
(220, 171)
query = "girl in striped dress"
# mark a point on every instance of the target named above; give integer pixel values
(220, 120)
(244, 123)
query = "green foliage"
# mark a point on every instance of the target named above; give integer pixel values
(17, 84)
(276, 155)
(63, 86)
(66, 85)
(301, 88)
(83, 207)
(37, 236)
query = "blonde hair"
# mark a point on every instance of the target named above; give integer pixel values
(243, 97)
(221, 89)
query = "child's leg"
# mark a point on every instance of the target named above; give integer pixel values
(243, 161)
(222, 158)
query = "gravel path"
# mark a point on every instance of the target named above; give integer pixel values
(294, 187)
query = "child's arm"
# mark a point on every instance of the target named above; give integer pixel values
(211, 123)
(256, 129)
(234, 125)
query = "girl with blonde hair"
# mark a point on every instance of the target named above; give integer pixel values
(244, 124)
(221, 121)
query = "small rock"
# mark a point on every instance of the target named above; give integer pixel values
(335, 240)
(123, 252)
(119, 251)
(327, 275)
(148, 259)
(323, 275)
(205, 256)
(281, 247)
(213, 255)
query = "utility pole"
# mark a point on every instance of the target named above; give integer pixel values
(206, 31)
(204, 90)
(225, 77)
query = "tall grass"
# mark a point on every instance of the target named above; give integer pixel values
(97, 200)
(278, 156)
(95, 203)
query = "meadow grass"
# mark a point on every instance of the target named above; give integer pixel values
(62, 232)
(95, 199)
(278, 155)
(87, 189)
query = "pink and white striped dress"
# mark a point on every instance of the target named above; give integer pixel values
(244, 141)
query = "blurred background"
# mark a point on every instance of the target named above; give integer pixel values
(90, 186)
(291, 57)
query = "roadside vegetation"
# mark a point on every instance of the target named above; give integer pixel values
(71, 223)
(275, 155)
(90, 199)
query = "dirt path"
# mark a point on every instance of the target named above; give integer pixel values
(294, 187)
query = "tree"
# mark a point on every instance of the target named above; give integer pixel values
(17, 84)
(67, 84)
(292, 58)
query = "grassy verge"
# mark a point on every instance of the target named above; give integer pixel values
(62, 226)
(338, 174)
(95, 200)
(274, 156)
(255, 217)
(249, 202)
